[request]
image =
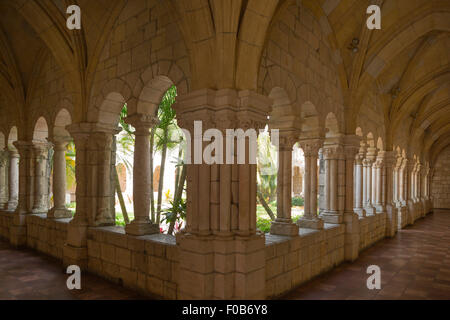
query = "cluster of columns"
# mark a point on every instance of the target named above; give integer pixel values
(370, 181)
(24, 183)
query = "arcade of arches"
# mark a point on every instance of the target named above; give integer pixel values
(369, 108)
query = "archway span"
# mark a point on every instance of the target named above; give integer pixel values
(40, 132)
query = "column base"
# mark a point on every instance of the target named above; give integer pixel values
(284, 228)
(141, 229)
(39, 211)
(360, 212)
(310, 223)
(3, 205)
(370, 211)
(59, 213)
(11, 206)
(332, 217)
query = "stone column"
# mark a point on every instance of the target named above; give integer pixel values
(370, 158)
(221, 197)
(333, 154)
(391, 209)
(351, 218)
(311, 150)
(93, 194)
(380, 204)
(75, 248)
(283, 224)
(59, 209)
(141, 225)
(3, 179)
(18, 227)
(13, 181)
(40, 151)
(359, 185)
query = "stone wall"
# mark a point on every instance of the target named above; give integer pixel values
(5, 222)
(46, 235)
(148, 264)
(440, 185)
(371, 230)
(293, 261)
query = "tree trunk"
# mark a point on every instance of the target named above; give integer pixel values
(265, 205)
(120, 196)
(161, 177)
(178, 195)
(152, 197)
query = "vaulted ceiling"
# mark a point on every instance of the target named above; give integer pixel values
(406, 64)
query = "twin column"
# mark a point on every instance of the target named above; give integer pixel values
(310, 218)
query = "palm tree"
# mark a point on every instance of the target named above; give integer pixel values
(166, 137)
(267, 173)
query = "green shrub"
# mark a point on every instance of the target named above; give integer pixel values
(298, 202)
(263, 224)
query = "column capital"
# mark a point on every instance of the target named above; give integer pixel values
(352, 144)
(333, 151)
(311, 147)
(142, 122)
(287, 140)
(223, 109)
(371, 153)
(83, 130)
(60, 143)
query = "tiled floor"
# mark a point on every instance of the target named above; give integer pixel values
(414, 265)
(27, 275)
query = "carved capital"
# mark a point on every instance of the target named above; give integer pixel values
(311, 147)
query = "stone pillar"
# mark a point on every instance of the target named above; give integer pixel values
(18, 227)
(13, 181)
(334, 180)
(93, 174)
(3, 179)
(221, 198)
(380, 204)
(311, 150)
(141, 225)
(370, 158)
(283, 224)
(59, 209)
(359, 185)
(40, 152)
(351, 218)
(420, 212)
(391, 209)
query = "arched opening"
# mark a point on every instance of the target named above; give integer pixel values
(63, 177)
(153, 111)
(42, 161)
(40, 132)
(331, 126)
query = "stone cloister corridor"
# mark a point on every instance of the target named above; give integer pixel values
(356, 120)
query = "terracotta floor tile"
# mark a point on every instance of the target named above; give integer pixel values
(414, 265)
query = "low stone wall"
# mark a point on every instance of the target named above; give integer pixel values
(5, 223)
(148, 264)
(291, 261)
(371, 230)
(46, 235)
